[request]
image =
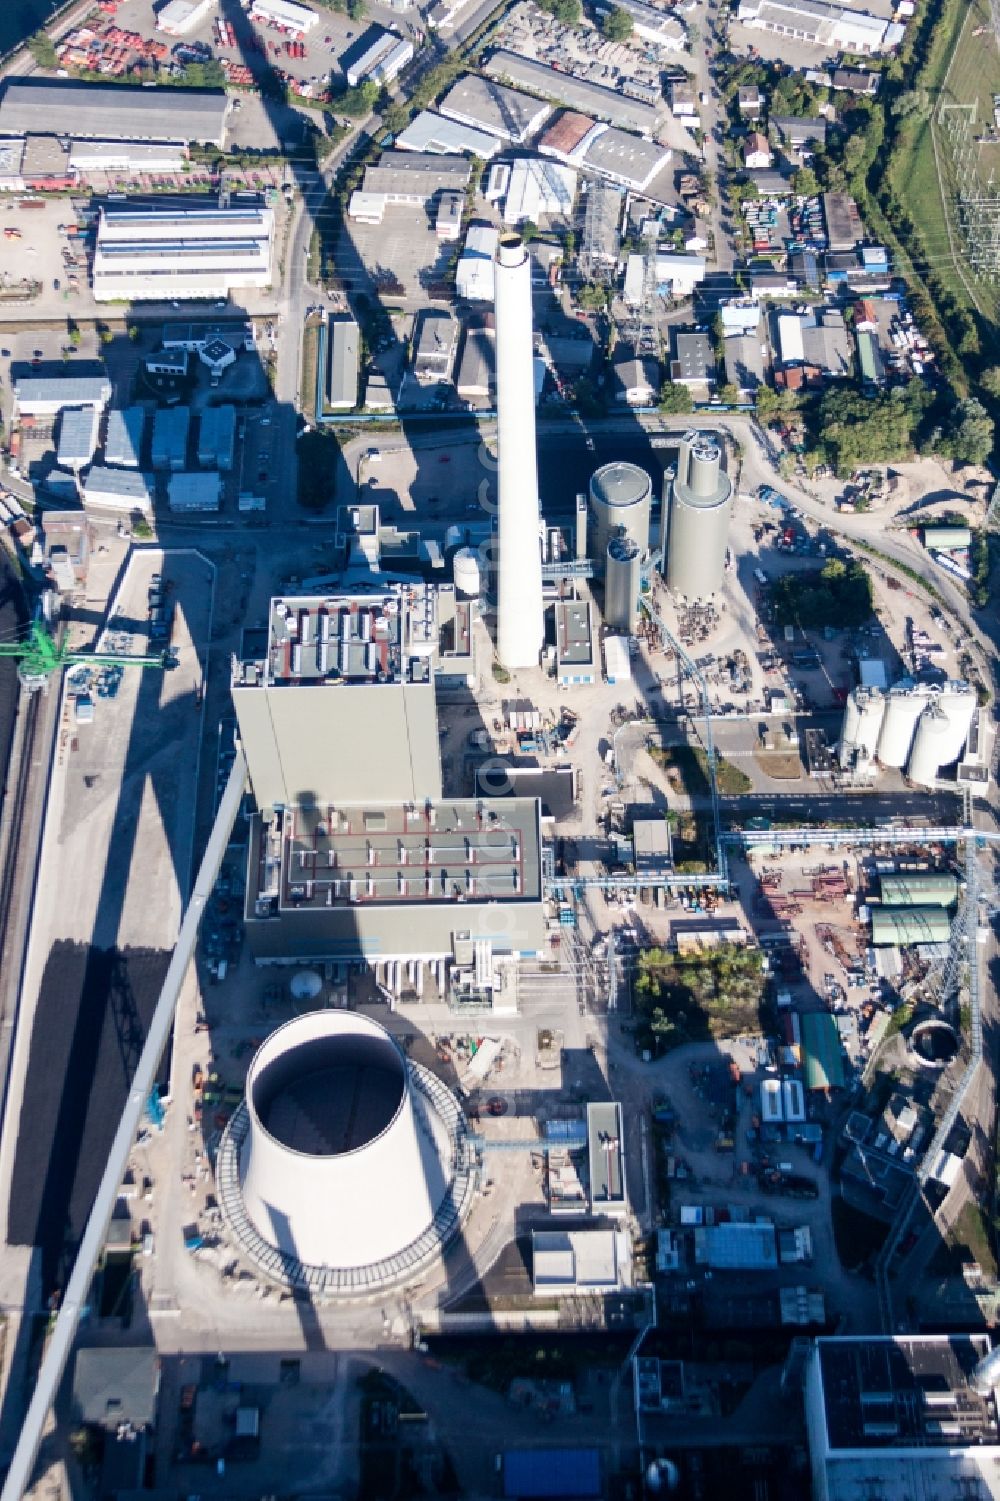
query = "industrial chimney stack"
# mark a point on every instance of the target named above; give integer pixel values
(520, 616)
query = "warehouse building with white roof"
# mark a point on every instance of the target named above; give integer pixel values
(151, 253)
(118, 490)
(434, 134)
(41, 395)
(298, 20)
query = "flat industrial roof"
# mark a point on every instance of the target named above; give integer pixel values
(905, 1392)
(127, 484)
(379, 637)
(170, 432)
(574, 633)
(71, 390)
(345, 353)
(399, 854)
(415, 172)
(693, 358)
(625, 156)
(606, 1152)
(77, 434)
(552, 785)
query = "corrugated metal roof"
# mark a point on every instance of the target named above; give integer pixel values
(906, 925)
(927, 887)
(822, 1054)
(591, 98)
(123, 444)
(102, 110)
(431, 132)
(502, 111)
(71, 390)
(77, 435)
(126, 484)
(345, 351)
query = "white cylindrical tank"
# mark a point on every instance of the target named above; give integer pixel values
(520, 616)
(465, 572)
(849, 730)
(903, 707)
(958, 704)
(345, 1162)
(927, 757)
(620, 497)
(872, 707)
(622, 585)
(862, 724)
(701, 504)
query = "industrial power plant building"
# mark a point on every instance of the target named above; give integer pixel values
(363, 661)
(347, 1167)
(384, 879)
(113, 111)
(356, 854)
(152, 253)
(902, 1416)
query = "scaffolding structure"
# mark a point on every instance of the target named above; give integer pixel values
(602, 218)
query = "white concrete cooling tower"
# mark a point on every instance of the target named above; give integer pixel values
(344, 1168)
(520, 617)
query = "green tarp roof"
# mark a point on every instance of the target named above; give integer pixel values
(822, 1055)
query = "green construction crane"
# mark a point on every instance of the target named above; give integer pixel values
(40, 655)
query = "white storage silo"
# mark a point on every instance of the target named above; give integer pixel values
(698, 515)
(620, 499)
(465, 572)
(903, 707)
(345, 1153)
(622, 585)
(872, 705)
(958, 704)
(849, 730)
(934, 733)
(862, 725)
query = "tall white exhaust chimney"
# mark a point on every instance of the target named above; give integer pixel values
(520, 616)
